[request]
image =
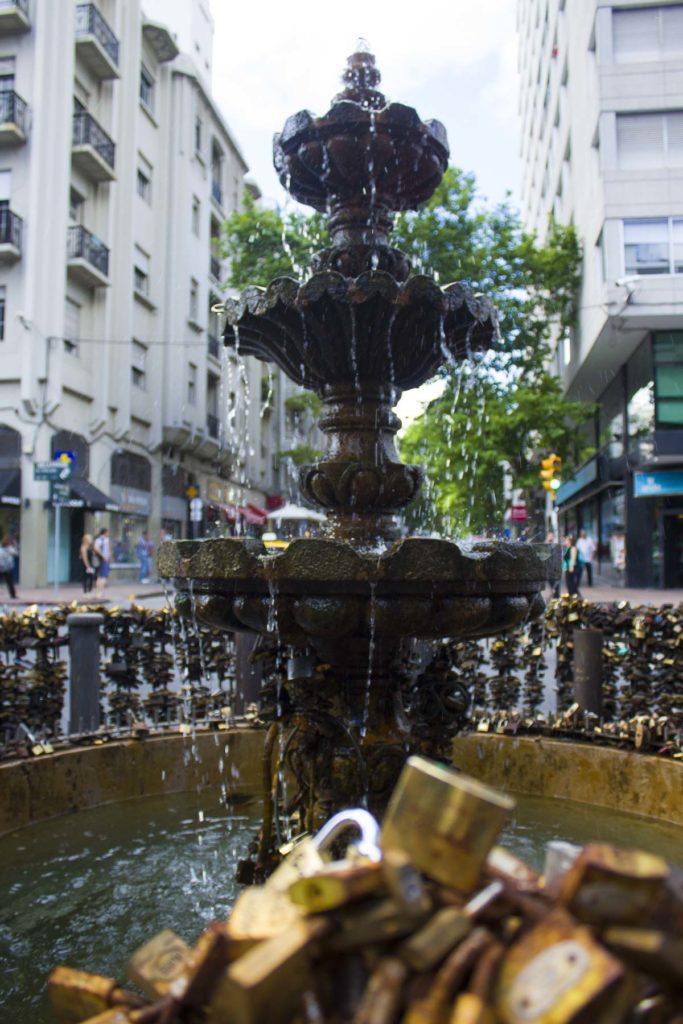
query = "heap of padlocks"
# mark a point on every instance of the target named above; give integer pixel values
(426, 923)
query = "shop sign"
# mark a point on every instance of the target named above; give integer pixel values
(216, 491)
(132, 501)
(52, 470)
(658, 484)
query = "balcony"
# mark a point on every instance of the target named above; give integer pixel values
(13, 119)
(217, 192)
(92, 151)
(215, 267)
(214, 346)
(87, 258)
(14, 17)
(96, 44)
(212, 425)
(10, 236)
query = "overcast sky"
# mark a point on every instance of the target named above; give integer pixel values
(454, 60)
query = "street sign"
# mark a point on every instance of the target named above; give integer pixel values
(196, 510)
(60, 493)
(52, 470)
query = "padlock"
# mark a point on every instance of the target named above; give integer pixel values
(649, 951)
(607, 885)
(382, 998)
(428, 946)
(312, 854)
(475, 1005)
(556, 973)
(404, 883)
(336, 885)
(444, 821)
(268, 981)
(500, 863)
(373, 921)
(560, 856)
(77, 995)
(433, 1006)
(260, 913)
(156, 965)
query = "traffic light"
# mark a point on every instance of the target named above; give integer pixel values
(551, 471)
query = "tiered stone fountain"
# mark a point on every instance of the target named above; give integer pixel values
(358, 332)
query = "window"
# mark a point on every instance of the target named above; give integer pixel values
(196, 215)
(668, 360)
(146, 90)
(3, 297)
(217, 173)
(650, 140)
(72, 327)
(141, 271)
(647, 33)
(653, 246)
(138, 365)
(198, 134)
(191, 384)
(144, 179)
(75, 206)
(194, 299)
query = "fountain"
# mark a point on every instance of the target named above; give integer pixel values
(358, 332)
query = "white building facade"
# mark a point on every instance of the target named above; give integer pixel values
(601, 103)
(116, 172)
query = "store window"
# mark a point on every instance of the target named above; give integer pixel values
(611, 419)
(668, 362)
(640, 401)
(131, 484)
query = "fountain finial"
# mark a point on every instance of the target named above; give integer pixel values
(360, 77)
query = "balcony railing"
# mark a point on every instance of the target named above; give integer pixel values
(214, 346)
(89, 22)
(21, 4)
(82, 244)
(217, 192)
(87, 132)
(13, 110)
(215, 267)
(212, 425)
(10, 228)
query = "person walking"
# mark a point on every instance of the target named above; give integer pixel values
(87, 557)
(7, 555)
(586, 548)
(143, 550)
(102, 548)
(571, 563)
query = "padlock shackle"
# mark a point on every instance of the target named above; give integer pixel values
(357, 818)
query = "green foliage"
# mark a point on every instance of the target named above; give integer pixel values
(302, 402)
(302, 454)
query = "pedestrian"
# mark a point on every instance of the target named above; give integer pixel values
(7, 555)
(571, 563)
(586, 546)
(144, 550)
(550, 539)
(88, 556)
(102, 548)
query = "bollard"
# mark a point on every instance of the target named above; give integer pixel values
(248, 675)
(588, 669)
(84, 650)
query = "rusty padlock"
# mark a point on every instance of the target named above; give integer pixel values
(78, 995)
(607, 885)
(155, 966)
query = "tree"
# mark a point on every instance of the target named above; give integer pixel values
(505, 408)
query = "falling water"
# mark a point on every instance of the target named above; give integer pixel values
(371, 655)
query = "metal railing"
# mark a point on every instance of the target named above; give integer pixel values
(87, 132)
(10, 228)
(89, 22)
(13, 110)
(214, 346)
(215, 267)
(217, 192)
(21, 4)
(82, 244)
(212, 425)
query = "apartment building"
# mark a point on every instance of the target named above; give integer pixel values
(601, 103)
(116, 171)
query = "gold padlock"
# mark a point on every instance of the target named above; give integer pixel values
(268, 982)
(335, 886)
(378, 920)
(428, 946)
(260, 913)
(556, 972)
(607, 885)
(475, 1005)
(155, 966)
(433, 1007)
(77, 995)
(444, 821)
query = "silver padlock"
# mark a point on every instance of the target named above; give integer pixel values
(308, 856)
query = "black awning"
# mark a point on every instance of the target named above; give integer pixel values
(10, 487)
(90, 497)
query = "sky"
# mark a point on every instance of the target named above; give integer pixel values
(454, 60)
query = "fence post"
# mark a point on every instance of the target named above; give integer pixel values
(84, 650)
(588, 669)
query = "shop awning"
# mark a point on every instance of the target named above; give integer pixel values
(91, 497)
(10, 487)
(229, 512)
(253, 515)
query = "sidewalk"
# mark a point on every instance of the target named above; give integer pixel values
(119, 593)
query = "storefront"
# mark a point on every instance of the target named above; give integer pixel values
(131, 487)
(175, 485)
(10, 484)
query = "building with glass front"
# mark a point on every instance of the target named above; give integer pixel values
(601, 103)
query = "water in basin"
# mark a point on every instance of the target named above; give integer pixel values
(88, 889)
